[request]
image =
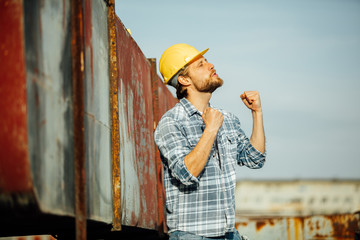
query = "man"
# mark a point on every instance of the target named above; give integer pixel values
(200, 146)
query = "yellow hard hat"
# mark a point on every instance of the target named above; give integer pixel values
(175, 58)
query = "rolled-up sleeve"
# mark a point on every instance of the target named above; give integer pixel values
(248, 155)
(174, 147)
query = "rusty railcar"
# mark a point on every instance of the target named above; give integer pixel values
(79, 105)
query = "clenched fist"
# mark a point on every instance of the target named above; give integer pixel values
(213, 119)
(252, 100)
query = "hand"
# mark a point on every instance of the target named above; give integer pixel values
(213, 119)
(252, 100)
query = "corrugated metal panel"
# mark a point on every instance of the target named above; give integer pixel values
(137, 156)
(162, 102)
(49, 98)
(37, 90)
(97, 112)
(342, 226)
(50, 102)
(14, 161)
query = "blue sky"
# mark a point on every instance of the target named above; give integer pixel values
(302, 56)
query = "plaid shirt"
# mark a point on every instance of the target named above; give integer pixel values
(203, 205)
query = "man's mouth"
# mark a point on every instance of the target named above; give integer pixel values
(213, 74)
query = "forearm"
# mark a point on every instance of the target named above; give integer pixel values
(196, 160)
(257, 138)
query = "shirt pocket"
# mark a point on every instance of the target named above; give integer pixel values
(231, 149)
(230, 141)
(231, 152)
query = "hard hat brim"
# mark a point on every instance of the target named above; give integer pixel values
(201, 53)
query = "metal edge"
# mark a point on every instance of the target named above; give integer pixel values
(114, 110)
(155, 100)
(77, 51)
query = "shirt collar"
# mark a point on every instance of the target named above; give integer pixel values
(190, 108)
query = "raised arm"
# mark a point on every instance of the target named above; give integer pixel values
(252, 100)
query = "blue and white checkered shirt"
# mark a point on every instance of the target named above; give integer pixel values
(203, 205)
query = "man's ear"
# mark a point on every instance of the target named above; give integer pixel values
(185, 81)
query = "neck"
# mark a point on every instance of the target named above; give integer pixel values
(200, 100)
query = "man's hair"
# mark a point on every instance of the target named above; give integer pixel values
(181, 92)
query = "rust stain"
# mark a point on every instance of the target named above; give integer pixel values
(15, 173)
(88, 42)
(77, 51)
(321, 227)
(271, 222)
(288, 230)
(335, 226)
(298, 228)
(310, 226)
(160, 203)
(241, 224)
(162, 101)
(136, 114)
(343, 225)
(317, 224)
(114, 108)
(260, 225)
(159, 168)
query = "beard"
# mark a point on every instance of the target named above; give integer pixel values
(209, 85)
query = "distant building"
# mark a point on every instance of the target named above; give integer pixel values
(297, 197)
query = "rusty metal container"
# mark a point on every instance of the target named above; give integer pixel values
(97, 112)
(137, 156)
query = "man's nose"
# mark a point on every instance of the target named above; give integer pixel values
(211, 66)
